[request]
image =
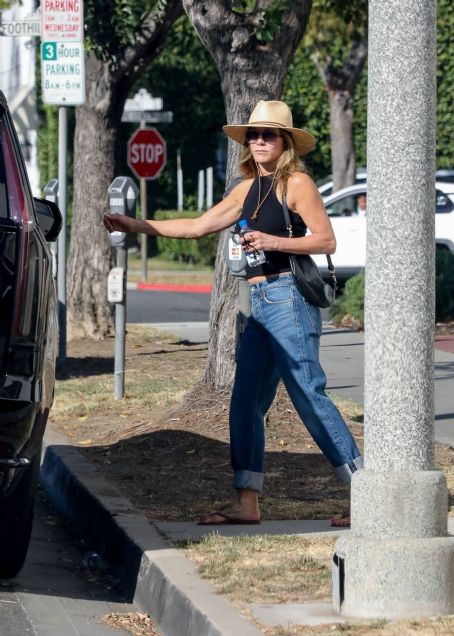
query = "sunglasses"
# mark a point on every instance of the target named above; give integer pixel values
(268, 136)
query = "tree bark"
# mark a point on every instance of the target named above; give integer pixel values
(95, 165)
(343, 159)
(250, 70)
(341, 85)
(90, 260)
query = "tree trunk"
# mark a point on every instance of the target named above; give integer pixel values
(341, 130)
(90, 254)
(98, 121)
(340, 85)
(250, 70)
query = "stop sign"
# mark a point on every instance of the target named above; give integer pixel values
(147, 154)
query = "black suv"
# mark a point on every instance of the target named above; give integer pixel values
(28, 343)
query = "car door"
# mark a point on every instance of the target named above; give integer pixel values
(444, 221)
(350, 231)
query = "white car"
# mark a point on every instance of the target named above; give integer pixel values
(325, 186)
(350, 226)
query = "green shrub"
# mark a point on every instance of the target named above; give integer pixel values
(350, 303)
(195, 251)
(444, 289)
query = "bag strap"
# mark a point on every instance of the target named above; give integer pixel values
(288, 223)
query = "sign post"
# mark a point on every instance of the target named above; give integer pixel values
(144, 108)
(147, 156)
(63, 84)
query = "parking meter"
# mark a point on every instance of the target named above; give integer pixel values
(51, 190)
(123, 194)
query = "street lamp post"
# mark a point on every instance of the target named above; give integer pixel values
(398, 560)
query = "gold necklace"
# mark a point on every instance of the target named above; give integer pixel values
(260, 203)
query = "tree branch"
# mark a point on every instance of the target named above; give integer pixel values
(131, 61)
(353, 66)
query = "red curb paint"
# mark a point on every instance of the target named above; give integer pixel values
(194, 289)
(444, 343)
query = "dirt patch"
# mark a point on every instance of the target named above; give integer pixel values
(165, 445)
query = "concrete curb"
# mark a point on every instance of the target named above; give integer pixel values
(159, 579)
(170, 287)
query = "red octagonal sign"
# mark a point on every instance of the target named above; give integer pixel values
(147, 153)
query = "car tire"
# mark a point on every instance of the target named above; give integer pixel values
(16, 519)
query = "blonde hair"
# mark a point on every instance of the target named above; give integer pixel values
(287, 164)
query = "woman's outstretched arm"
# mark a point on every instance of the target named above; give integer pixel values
(220, 216)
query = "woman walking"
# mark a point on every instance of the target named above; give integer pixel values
(281, 339)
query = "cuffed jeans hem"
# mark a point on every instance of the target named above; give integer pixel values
(346, 471)
(248, 479)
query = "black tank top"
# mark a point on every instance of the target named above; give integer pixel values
(271, 221)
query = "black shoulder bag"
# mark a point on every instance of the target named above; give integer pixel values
(306, 274)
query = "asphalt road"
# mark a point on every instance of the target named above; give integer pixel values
(55, 594)
(162, 306)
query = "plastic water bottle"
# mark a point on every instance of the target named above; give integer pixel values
(257, 257)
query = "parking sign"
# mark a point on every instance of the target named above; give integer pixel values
(63, 73)
(62, 20)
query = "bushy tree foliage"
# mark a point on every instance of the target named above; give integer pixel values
(337, 41)
(252, 44)
(185, 76)
(123, 37)
(445, 84)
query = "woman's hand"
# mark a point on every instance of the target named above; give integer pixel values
(255, 240)
(120, 223)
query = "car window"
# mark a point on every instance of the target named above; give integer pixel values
(18, 203)
(443, 202)
(347, 206)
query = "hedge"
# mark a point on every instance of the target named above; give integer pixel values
(195, 251)
(350, 304)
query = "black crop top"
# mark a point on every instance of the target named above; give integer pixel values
(270, 220)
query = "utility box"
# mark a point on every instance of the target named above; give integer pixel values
(123, 194)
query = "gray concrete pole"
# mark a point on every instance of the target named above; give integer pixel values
(398, 560)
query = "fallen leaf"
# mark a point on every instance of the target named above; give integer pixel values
(85, 442)
(82, 418)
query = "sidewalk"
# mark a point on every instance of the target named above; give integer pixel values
(159, 579)
(342, 357)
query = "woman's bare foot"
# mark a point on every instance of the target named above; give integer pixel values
(229, 517)
(244, 510)
(341, 522)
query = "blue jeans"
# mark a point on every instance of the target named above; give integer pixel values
(281, 340)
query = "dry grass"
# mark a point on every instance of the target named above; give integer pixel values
(84, 407)
(265, 569)
(440, 626)
(286, 569)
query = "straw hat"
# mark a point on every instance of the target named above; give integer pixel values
(273, 115)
